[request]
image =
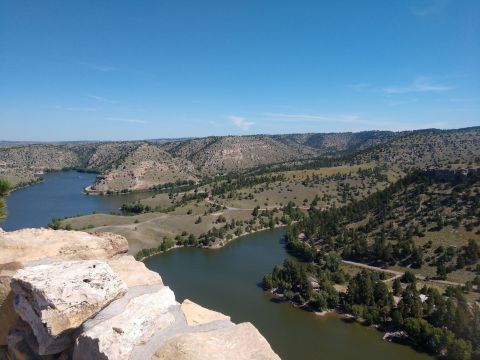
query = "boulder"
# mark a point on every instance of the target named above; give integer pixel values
(240, 342)
(34, 244)
(133, 272)
(198, 315)
(21, 246)
(56, 297)
(133, 325)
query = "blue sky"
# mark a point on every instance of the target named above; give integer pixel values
(74, 70)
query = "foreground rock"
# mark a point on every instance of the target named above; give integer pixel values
(104, 304)
(56, 298)
(238, 342)
(134, 324)
(23, 246)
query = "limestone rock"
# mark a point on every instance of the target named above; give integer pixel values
(21, 246)
(57, 297)
(197, 315)
(240, 342)
(133, 272)
(116, 337)
(34, 244)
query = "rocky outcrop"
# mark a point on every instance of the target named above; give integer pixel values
(79, 301)
(55, 305)
(23, 246)
(130, 325)
(242, 341)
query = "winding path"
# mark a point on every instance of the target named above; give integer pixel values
(397, 274)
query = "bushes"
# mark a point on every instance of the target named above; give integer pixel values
(135, 208)
(166, 244)
(55, 224)
(4, 189)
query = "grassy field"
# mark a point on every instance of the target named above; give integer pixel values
(148, 230)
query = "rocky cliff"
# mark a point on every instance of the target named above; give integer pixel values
(73, 295)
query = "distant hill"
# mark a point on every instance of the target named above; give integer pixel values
(222, 154)
(424, 148)
(145, 166)
(141, 164)
(334, 142)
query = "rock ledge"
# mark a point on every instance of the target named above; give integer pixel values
(71, 295)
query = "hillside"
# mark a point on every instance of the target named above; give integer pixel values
(339, 142)
(18, 164)
(424, 148)
(122, 164)
(428, 221)
(143, 167)
(216, 155)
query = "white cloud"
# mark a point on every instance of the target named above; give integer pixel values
(420, 84)
(127, 120)
(241, 122)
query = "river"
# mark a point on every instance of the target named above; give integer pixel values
(59, 195)
(226, 279)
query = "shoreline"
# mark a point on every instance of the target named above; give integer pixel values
(215, 247)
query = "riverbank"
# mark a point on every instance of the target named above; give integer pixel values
(227, 280)
(216, 246)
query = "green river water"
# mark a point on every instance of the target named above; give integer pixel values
(227, 280)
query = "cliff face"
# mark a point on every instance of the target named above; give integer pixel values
(72, 295)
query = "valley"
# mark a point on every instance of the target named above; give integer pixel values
(396, 211)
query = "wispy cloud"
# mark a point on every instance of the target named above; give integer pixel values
(127, 120)
(429, 7)
(102, 99)
(347, 118)
(71, 108)
(419, 85)
(241, 122)
(99, 67)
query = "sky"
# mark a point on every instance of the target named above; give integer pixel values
(119, 70)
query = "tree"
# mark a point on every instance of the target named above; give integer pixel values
(472, 252)
(397, 287)
(459, 349)
(417, 257)
(192, 240)
(332, 262)
(410, 305)
(441, 270)
(267, 282)
(409, 277)
(460, 261)
(4, 189)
